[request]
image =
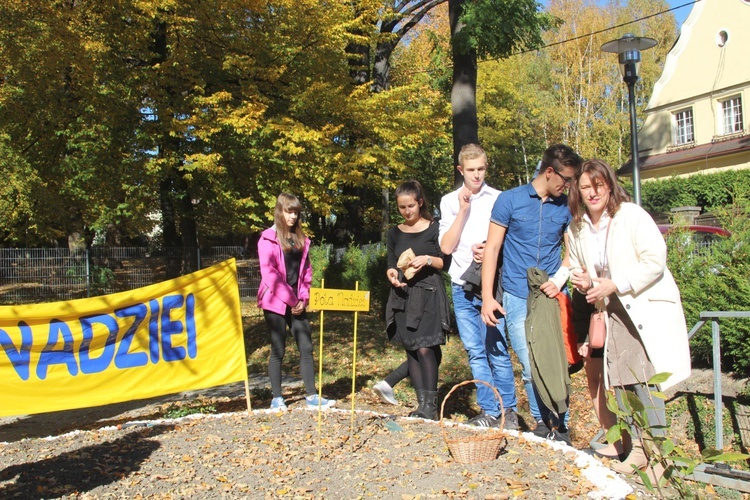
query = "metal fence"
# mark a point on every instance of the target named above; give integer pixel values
(34, 275)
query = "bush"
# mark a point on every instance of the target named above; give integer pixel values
(709, 191)
(366, 266)
(717, 280)
(320, 261)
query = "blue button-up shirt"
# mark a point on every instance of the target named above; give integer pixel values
(534, 234)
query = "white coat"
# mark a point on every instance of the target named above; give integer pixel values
(636, 253)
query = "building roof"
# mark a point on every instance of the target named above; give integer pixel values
(689, 154)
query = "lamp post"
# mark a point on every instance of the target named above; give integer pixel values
(629, 49)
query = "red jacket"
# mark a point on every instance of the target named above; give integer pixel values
(274, 293)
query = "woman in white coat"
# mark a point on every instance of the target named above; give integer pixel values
(618, 258)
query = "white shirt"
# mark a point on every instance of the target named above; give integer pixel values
(600, 238)
(475, 229)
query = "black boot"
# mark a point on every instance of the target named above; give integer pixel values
(429, 408)
(420, 403)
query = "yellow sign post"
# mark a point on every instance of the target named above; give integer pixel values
(332, 299)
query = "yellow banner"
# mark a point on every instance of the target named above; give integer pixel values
(173, 336)
(332, 299)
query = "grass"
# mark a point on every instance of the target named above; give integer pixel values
(376, 358)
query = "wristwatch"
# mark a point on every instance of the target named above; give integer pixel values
(429, 261)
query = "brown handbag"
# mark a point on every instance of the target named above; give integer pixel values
(598, 321)
(598, 329)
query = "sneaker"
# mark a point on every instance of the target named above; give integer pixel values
(315, 402)
(511, 419)
(484, 420)
(541, 429)
(560, 436)
(385, 392)
(278, 404)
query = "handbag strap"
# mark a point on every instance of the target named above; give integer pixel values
(605, 261)
(605, 264)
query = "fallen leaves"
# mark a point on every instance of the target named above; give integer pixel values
(273, 455)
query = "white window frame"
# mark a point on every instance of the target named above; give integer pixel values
(730, 115)
(684, 126)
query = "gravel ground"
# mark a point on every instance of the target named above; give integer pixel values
(128, 451)
(294, 454)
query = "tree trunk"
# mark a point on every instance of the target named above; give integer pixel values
(463, 91)
(170, 236)
(189, 230)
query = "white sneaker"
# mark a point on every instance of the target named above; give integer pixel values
(385, 392)
(314, 402)
(278, 404)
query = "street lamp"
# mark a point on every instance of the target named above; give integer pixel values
(629, 49)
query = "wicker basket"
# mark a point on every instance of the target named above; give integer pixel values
(480, 447)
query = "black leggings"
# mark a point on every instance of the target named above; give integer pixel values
(423, 367)
(300, 327)
(402, 371)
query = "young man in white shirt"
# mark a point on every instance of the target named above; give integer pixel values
(465, 218)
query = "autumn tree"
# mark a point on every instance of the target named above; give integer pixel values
(570, 91)
(199, 112)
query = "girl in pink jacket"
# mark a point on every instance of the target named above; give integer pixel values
(284, 292)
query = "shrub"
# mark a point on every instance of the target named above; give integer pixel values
(320, 261)
(709, 191)
(354, 268)
(717, 280)
(366, 265)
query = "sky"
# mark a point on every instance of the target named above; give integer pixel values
(682, 13)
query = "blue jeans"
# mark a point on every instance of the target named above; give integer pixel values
(515, 322)
(487, 348)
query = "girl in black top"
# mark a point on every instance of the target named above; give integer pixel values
(417, 311)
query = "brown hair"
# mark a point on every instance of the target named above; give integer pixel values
(414, 188)
(598, 170)
(290, 203)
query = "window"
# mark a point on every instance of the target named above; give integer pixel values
(731, 115)
(722, 38)
(683, 121)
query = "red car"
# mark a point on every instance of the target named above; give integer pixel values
(703, 236)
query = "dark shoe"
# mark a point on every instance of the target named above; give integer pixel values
(554, 434)
(420, 404)
(511, 419)
(429, 408)
(560, 436)
(484, 420)
(541, 429)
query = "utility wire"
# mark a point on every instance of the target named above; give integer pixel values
(597, 32)
(572, 39)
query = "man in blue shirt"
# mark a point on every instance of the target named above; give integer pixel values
(529, 224)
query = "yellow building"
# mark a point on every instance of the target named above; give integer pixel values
(697, 117)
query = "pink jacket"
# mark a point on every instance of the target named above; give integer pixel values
(274, 293)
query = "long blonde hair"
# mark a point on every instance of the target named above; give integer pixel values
(290, 203)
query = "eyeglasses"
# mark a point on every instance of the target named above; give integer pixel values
(566, 180)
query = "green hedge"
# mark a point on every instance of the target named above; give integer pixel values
(709, 191)
(717, 280)
(367, 267)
